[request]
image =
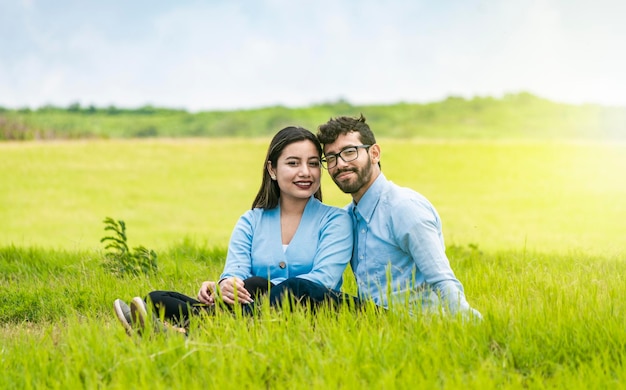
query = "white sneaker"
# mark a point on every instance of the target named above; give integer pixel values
(124, 315)
(139, 313)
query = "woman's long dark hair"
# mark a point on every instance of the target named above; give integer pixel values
(269, 193)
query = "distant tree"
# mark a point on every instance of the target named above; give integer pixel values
(146, 110)
(74, 107)
(112, 110)
(48, 108)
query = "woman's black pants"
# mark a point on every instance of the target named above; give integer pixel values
(177, 307)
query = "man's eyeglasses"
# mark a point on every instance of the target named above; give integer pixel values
(348, 154)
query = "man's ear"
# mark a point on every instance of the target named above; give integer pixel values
(375, 153)
(271, 171)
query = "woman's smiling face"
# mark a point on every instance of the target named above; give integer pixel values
(297, 171)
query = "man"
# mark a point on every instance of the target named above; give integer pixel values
(399, 253)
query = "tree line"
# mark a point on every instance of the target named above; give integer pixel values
(513, 116)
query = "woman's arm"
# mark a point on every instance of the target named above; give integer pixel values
(238, 264)
(333, 251)
(239, 256)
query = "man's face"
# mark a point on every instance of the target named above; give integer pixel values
(352, 177)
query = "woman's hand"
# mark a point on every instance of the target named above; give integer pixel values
(206, 294)
(232, 286)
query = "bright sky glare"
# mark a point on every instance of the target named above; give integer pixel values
(221, 54)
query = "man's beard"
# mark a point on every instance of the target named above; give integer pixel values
(355, 184)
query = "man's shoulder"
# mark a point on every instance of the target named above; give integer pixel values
(404, 206)
(395, 195)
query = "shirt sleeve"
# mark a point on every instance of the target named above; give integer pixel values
(239, 256)
(333, 252)
(418, 232)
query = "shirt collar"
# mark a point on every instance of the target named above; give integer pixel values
(370, 198)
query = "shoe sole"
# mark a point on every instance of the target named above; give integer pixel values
(119, 313)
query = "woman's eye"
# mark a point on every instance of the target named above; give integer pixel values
(292, 163)
(314, 164)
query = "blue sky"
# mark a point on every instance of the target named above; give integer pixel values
(203, 55)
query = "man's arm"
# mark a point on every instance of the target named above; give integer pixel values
(418, 231)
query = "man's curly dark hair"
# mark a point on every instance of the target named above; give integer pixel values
(328, 132)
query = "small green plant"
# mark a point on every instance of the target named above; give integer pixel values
(119, 259)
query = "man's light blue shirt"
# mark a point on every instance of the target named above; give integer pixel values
(399, 252)
(319, 251)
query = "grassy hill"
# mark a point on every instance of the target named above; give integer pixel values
(514, 116)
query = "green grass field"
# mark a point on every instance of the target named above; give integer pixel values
(542, 196)
(535, 231)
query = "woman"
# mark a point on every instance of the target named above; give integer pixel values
(288, 233)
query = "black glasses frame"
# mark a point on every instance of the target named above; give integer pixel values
(340, 155)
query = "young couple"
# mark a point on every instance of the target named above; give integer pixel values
(292, 245)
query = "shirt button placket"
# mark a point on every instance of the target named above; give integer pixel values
(362, 245)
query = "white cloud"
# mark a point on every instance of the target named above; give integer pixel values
(241, 54)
